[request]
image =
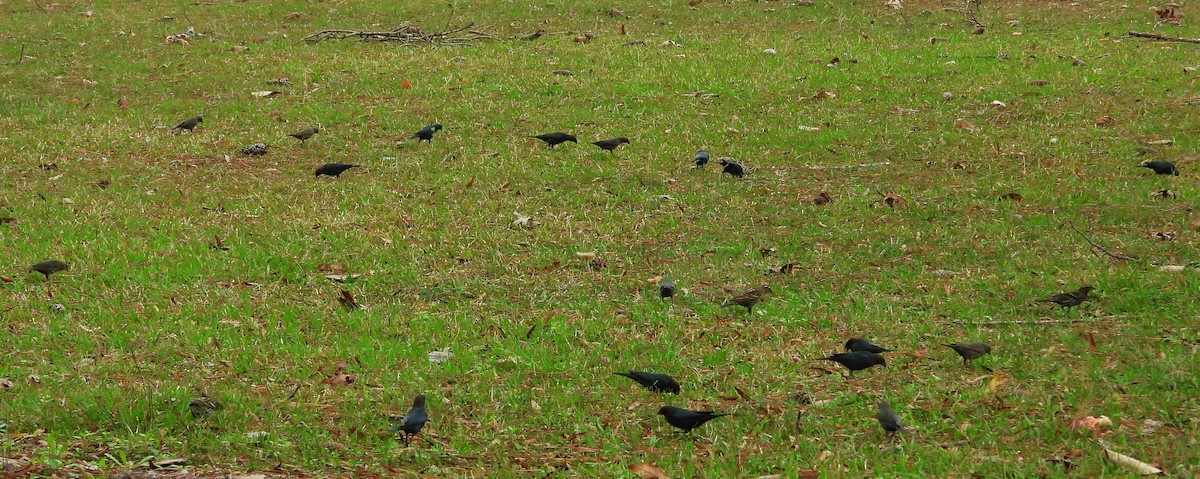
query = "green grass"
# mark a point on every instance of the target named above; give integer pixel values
(155, 316)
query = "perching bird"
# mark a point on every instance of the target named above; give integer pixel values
(700, 160)
(857, 360)
(860, 344)
(655, 382)
(686, 419)
(414, 420)
(1160, 167)
(554, 139)
(1070, 299)
(49, 267)
(305, 134)
(666, 288)
(888, 418)
(969, 351)
(734, 169)
(333, 169)
(748, 299)
(426, 134)
(189, 123)
(611, 144)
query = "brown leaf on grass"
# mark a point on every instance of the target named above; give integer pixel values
(695, 2)
(966, 125)
(822, 199)
(405, 84)
(265, 93)
(1168, 13)
(1196, 224)
(6, 383)
(238, 48)
(584, 38)
(1091, 341)
(102, 184)
(293, 16)
(347, 300)
(217, 244)
(978, 31)
(1104, 121)
(5, 279)
(1164, 194)
(471, 182)
(648, 471)
(339, 380)
(7, 220)
(123, 102)
(1039, 82)
(809, 473)
(1077, 62)
(1011, 196)
(1164, 235)
(622, 29)
(598, 263)
(332, 268)
(821, 95)
(894, 200)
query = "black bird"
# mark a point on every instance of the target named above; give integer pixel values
(857, 360)
(426, 134)
(700, 160)
(554, 139)
(655, 382)
(305, 134)
(189, 123)
(888, 418)
(333, 169)
(49, 267)
(1160, 167)
(666, 288)
(860, 344)
(734, 169)
(1070, 299)
(686, 419)
(611, 144)
(748, 299)
(969, 351)
(414, 420)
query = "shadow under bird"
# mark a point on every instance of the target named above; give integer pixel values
(414, 420)
(611, 144)
(1160, 167)
(700, 160)
(334, 169)
(749, 298)
(305, 134)
(190, 123)
(686, 419)
(557, 138)
(654, 382)
(888, 419)
(860, 344)
(734, 169)
(1070, 299)
(856, 360)
(426, 134)
(666, 288)
(969, 351)
(49, 267)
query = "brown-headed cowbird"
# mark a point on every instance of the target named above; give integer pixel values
(305, 134)
(554, 139)
(749, 298)
(655, 382)
(857, 360)
(1160, 167)
(700, 160)
(969, 351)
(611, 144)
(687, 419)
(426, 134)
(333, 169)
(734, 169)
(414, 420)
(1070, 299)
(190, 123)
(888, 418)
(860, 344)
(49, 267)
(666, 288)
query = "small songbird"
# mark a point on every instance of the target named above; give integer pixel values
(700, 160)
(611, 144)
(748, 299)
(969, 351)
(686, 419)
(888, 419)
(333, 169)
(203, 406)
(426, 134)
(1160, 167)
(1070, 299)
(190, 123)
(857, 360)
(554, 139)
(305, 134)
(655, 382)
(666, 288)
(734, 169)
(414, 420)
(49, 267)
(860, 344)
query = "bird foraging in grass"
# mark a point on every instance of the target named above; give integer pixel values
(666, 288)
(734, 169)
(687, 419)
(654, 382)
(557, 138)
(189, 124)
(414, 420)
(334, 169)
(426, 134)
(1070, 299)
(857, 360)
(611, 144)
(305, 134)
(49, 267)
(969, 351)
(860, 344)
(888, 419)
(1160, 167)
(748, 299)
(700, 160)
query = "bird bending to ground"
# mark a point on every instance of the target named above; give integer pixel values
(190, 123)
(1070, 299)
(1160, 167)
(49, 267)
(888, 418)
(700, 160)
(969, 351)
(686, 419)
(414, 420)
(305, 134)
(860, 344)
(426, 134)
(857, 360)
(655, 382)
(554, 139)
(611, 144)
(666, 288)
(334, 169)
(733, 168)
(749, 298)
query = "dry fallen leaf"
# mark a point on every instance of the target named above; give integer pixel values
(293, 16)
(648, 471)
(332, 268)
(1012, 196)
(348, 301)
(405, 84)
(1104, 121)
(339, 380)
(966, 125)
(265, 93)
(440, 356)
(1131, 463)
(821, 95)
(587, 256)
(894, 200)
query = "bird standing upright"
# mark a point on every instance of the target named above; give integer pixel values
(426, 134)
(1070, 299)
(655, 382)
(611, 144)
(305, 134)
(857, 360)
(748, 299)
(666, 288)
(860, 344)
(556, 138)
(334, 169)
(190, 123)
(969, 351)
(700, 160)
(888, 419)
(49, 267)
(414, 420)
(1160, 167)
(687, 419)
(734, 169)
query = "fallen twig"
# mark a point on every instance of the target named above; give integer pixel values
(407, 34)
(1098, 247)
(1030, 321)
(843, 167)
(21, 56)
(1158, 36)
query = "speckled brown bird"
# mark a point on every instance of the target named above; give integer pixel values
(190, 123)
(969, 351)
(1070, 299)
(305, 134)
(611, 144)
(749, 298)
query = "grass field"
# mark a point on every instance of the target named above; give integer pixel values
(195, 270)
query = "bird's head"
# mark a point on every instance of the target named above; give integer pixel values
(419, 401)
(878, 359)
(767, 289)
(622, 140)
(572, 138)
(436, 126)
(199, 119)
(851, 342)
(1087, 288)
(663, 411)
(1145, 163)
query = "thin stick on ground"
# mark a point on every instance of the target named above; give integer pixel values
(1100, 248)
(1030, 321)
(20, 56)
(1158, 36)
(405, 34)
